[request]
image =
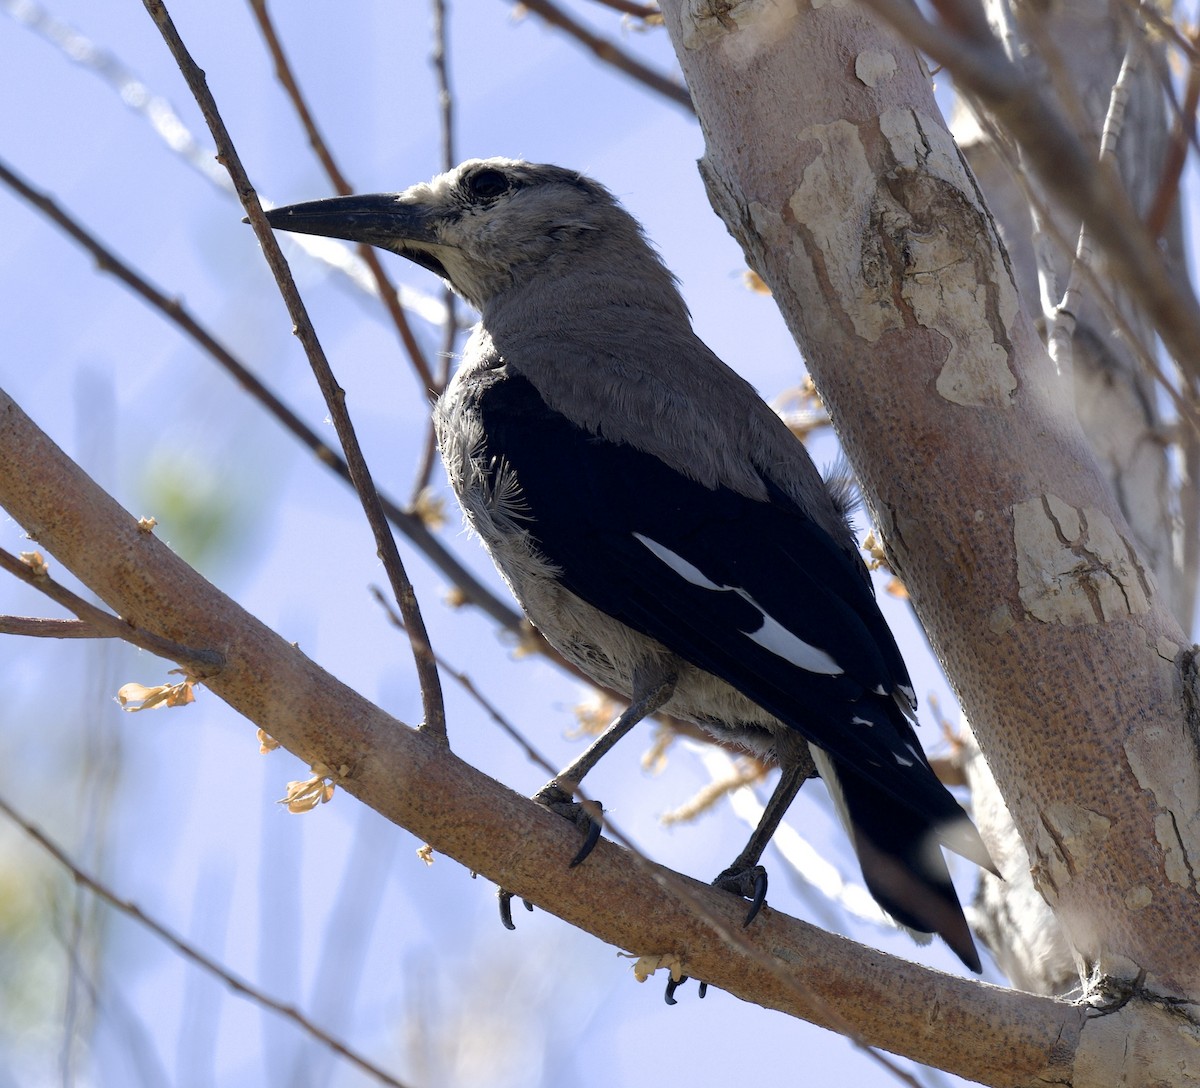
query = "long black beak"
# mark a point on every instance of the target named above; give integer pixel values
(379, 219)
(385, 220)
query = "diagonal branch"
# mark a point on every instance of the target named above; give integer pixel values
(192, 953)
(387, 290)
(606, 51)
(411, 525)
(335, 397)
(31, 569)
(412, 779)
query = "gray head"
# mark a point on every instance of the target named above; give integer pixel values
(491, 225)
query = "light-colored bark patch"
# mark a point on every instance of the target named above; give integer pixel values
(1177, 827)
(1174, 858)
(832, 203)
(1139, 897)
(742, 26)
(1073, 567)
(874, 67)
(1067, 839)
(951, 280)
(1167, 649)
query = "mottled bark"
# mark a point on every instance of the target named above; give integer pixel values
(828, 159)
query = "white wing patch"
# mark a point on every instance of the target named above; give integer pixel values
(679, 565)
(773, 636)
(770, 635)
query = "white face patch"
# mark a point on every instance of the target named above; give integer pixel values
(770, 635)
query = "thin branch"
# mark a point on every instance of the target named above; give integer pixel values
(386, 289)
(40, 627)
(132, 92)
(1061, 331)
(179, 140)
(612, 54)
(411, 525)
(33, 572)
(1067, 170)
(1183, 135)
(439, 58)
(335, 397)
(645, 12)
(190, 952)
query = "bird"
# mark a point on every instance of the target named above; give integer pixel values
(658, 522)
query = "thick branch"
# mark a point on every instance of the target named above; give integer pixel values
(415, 781)
(1018, 560)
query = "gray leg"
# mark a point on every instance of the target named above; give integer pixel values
(746, 877)
(653, 685)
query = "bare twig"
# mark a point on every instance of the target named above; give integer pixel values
(1183, 135)
(612, 54)
(132, 92)
(386, 289)
(631, 7)
(40, 627)
(33, 572)
(190, 952)
(335, 398)
(1062, 316)
(473, 591)
(439, 58)
(179, 140)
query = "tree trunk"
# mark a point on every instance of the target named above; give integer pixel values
(828, 159)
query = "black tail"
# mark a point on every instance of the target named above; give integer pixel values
(900, 852)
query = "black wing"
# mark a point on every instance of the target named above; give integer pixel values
(754, 592)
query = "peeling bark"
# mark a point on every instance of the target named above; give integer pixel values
(1017, 554)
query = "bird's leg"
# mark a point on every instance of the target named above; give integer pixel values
(746, 877)
(653, 686)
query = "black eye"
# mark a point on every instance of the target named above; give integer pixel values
(487, 184)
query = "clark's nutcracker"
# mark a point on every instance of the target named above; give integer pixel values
(657, 520)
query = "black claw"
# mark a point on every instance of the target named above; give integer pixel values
(505, 898)
(672, 986)
(506, 919)
(760, 897)
(589, 843)
(750, 883)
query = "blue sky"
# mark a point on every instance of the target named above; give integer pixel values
(176, 809)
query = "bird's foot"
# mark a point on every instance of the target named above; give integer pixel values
(505, 899)
(750, 882)
(559, 800)
(582, 814)
(673, 985)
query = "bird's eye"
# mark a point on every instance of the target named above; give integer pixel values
(487, 184)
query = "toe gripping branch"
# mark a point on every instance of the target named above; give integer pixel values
(558, 800)
(654, 684)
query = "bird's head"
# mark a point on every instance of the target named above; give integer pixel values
(485, 226)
